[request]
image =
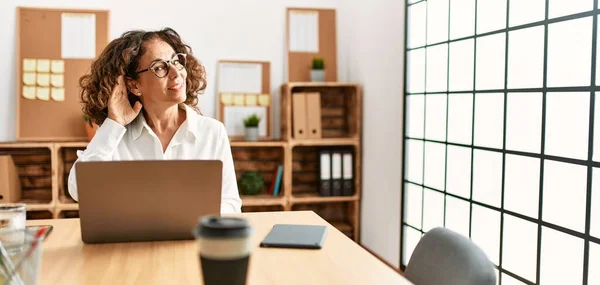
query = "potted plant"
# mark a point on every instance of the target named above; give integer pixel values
(251, 123)
(90, 128)
(252, 183)
(317, 73)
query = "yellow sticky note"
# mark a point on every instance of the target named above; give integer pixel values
(57, 80)
(58, 94)
(58, 66)
(29, 64)
(264, 100)
(238, 99)
(29, 92)
(43, 65)
(43, 79)
(251, 100)
(29, 78)
(226, 99)
(43, 93)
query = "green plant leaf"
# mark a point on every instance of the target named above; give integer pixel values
(318, 63)
(252, 121)
(252, 183)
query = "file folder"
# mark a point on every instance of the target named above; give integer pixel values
(325, 173)
(336, 173)
(299, 115)
(347, 175)
(313, 115)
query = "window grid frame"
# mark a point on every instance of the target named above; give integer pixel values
(505, 102)
(424, 116)
(508, 212)
(590, 157)
(447, 115)
(588, 163)
(510, 29)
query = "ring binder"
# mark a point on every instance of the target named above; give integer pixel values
(347, 174)
(336, 173)
(325, 170)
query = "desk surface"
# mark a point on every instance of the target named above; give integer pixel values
(66, 260)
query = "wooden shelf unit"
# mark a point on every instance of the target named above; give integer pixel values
(341, 122)
(66, 155)
(312, 198)
(235, 143)
(299, 188)
(38, 207)
(339, 214)
(341, 112)
(326, 142)
(35, 167)
(67, 207)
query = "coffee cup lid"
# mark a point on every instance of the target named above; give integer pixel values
(222, 227)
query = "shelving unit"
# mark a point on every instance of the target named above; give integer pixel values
(341, 121)
(35, 166)
(326, 142)
(312, 198)
(44, 167)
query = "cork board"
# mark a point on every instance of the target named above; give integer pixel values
(299, 63)
(39, 33)
(259, 98)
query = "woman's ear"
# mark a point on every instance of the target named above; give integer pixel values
(133, 86)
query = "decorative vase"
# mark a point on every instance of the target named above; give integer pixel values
(251, 133)
(317, 75)
(90, 130)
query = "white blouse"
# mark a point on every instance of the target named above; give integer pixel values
(198, 137)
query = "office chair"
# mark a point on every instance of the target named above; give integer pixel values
(445, 257)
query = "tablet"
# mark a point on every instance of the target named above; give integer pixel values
(295, 236)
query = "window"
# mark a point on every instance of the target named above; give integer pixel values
(502, 132)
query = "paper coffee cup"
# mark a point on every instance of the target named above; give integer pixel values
(224, 247)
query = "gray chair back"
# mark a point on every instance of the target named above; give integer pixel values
(446, 257)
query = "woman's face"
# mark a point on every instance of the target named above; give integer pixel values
(168, 90)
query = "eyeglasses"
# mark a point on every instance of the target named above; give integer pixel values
(160, 68)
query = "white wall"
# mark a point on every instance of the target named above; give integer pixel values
(376, 60)
(224, 29)
(370, 52)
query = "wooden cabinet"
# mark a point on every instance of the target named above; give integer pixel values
(44, 167)
(341, 120)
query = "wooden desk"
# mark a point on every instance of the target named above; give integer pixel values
(66, 260)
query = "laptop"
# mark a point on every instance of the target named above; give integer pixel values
(127, 201)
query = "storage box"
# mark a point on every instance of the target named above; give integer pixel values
(10, 186)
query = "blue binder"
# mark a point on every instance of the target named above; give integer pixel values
(278, 180)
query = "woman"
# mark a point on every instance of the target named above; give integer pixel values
(143, 92)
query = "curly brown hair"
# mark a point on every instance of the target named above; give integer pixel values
(121, 57)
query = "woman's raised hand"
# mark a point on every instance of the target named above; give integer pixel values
(119, 108)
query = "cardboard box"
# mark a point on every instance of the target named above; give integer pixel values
(10, 186)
